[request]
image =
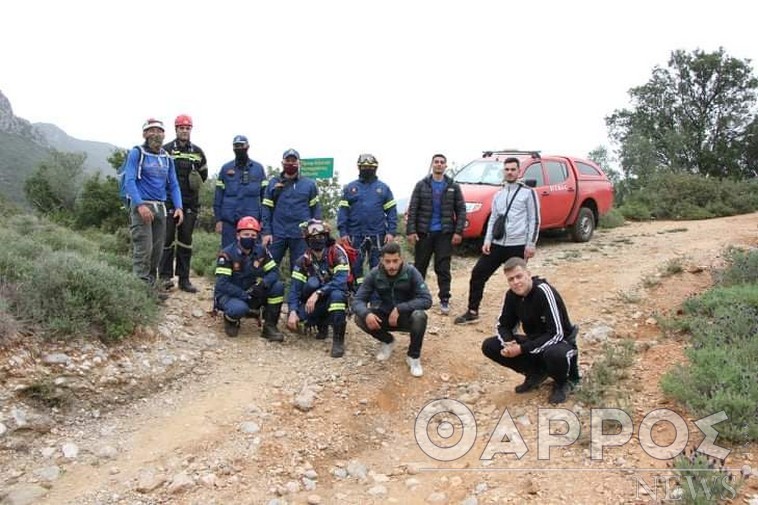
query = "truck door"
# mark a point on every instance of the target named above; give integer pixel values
(558, 193)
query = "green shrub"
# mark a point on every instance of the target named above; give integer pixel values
(744, 267)
(703, 480)
(722, 371)
(636, 211)
(612, 219)
(205, 248)
(63, 284)
(687, 196)
(70, 294)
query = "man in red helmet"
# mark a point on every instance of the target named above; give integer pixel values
(191, 171)
(247, 279)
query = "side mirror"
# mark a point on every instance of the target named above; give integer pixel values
(532, 183)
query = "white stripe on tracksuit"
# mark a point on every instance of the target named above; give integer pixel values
(555, 313)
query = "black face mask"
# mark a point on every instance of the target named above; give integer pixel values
(367, 174)
(240, 157)
(317, 243)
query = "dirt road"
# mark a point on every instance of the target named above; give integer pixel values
(253, 422)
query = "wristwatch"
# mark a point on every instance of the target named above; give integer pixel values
(319, 293)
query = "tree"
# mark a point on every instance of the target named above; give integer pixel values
(53, 187)
(329, 195)
(692, 117)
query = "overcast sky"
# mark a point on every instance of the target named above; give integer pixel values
(399, 79)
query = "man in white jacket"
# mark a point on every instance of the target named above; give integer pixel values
(512, 230)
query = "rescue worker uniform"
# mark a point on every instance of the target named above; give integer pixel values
(240, 188)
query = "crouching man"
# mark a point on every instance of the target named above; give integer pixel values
(247, 279)
(403, 299)
(548, 348)
(318, 290)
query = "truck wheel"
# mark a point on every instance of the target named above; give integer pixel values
(584, 225)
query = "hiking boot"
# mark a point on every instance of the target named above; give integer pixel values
(559, 393)
(323, 332)
(415, 365)
(467, 317)
(271, 333)
(338, 342)
(531, 382)
(231, 326)
(186, 285)
(166, 283)
(444, 307)
(385, 351)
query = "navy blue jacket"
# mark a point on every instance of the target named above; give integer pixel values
(366, 209)
(239, 191)
(236, 272)
(287, 203)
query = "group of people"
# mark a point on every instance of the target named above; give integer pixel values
(260, 219)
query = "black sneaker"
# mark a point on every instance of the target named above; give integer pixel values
(531, 382)
(231, 327)
(186, 285)
(466, 317)
(559, 393)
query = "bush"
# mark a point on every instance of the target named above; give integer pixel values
(205, 248)
(636, 211)
(722, 372)
(65, 285)
(687, 196)
(612, 219)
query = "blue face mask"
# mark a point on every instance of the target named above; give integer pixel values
(247, 242)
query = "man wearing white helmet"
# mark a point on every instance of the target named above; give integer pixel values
(148, 172)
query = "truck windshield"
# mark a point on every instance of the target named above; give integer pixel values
(481, 172)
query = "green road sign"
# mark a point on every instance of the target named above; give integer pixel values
(317, 168)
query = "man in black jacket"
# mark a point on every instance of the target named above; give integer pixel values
(191, 171)
(436, 215)
(549, 347)
(403, 300)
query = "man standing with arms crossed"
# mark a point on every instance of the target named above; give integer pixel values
(436, 215)
(512, 231)
(191, 172)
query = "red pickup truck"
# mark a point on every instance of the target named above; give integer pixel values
(573, 192)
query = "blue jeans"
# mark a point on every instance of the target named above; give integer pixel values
(147, 241)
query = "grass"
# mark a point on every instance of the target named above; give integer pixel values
(672, 267)
(703, 480)
(601, 383)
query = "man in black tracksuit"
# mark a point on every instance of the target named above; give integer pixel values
(549, 347)
(436, 215)
(403, 300)
(191, 171)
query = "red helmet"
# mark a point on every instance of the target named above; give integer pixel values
(183, 120)
(248, 223)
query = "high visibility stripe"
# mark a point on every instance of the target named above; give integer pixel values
(344, 203)
(220, 184)
(223, 271)
(389, 205)
(264, 183)
(269, 266)
(341, 268)
(181, 244)
(333, 307)
(359, 280)
(298, 276)
(275, 299)
(313, 201)
(187, 156)
(268, 203)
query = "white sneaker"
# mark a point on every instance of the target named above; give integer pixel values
(385, 352)
(415, 365)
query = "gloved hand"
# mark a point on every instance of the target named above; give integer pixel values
(257, 290)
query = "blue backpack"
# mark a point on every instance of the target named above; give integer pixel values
(121, 172)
